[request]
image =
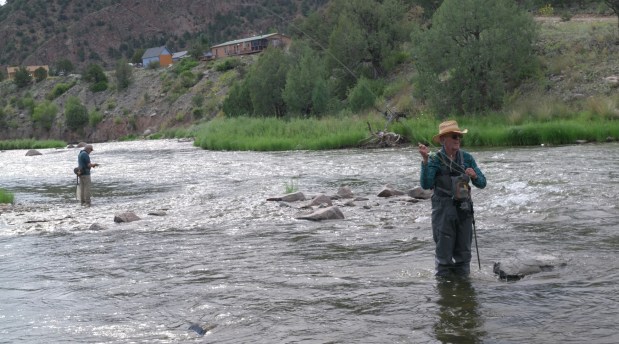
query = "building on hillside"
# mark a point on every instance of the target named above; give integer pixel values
(179, 56)
(250, 45)
(12, 70)
(160, 55)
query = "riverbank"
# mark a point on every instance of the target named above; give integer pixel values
(264, 134)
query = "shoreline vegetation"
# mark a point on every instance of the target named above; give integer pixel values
(272, 134)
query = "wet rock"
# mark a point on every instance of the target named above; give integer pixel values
(81, 144)
(345, 192)
(291, 197)
(126, 217)
(330, 213)
(389, 191)
(157, 213)
(419, 193)
(33, 152)
(96, 227)
(524, 264)
(321, 199)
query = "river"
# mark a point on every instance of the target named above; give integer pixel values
(218, 254)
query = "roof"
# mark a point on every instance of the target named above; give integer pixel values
(238, 41)
(179, 54)
(154, 52)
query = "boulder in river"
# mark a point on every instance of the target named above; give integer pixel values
(524, 264)
(33, 152)
(291, 197)
(128, 216)
(330, 213)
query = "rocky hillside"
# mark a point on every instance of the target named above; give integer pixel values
(40, 32)
(157, 99)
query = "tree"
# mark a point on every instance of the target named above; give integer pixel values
(470, 56)
(301, 81)
(22, 77)
(267, 79)
(64, 66)
(614, 5)
(44, 114)
(123, 73)
(76, 114)
(95, 75)
(40, 74)
(238, 101)
(1, 76)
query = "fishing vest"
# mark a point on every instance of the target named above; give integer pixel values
(451, 181)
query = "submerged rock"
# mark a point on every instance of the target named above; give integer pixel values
(126, 217)
(524, 264)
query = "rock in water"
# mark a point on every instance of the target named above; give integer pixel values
(524, 264)
(329, 213)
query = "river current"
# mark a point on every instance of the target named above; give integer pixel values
(211, 250)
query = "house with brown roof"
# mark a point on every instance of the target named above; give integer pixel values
(12, 70)
(250, 45)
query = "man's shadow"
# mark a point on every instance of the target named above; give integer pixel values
(459, 318)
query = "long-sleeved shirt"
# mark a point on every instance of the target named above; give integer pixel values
(430, 170)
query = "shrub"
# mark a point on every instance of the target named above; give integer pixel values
(44, 114)
(94, 118)
(58, 90)
(76, 114)
(227, 64)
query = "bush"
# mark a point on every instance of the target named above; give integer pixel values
(58, 90)
(76, 114)
(94, 118)
(44, 114)
(227, 64)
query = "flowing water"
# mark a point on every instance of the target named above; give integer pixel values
(221, 256)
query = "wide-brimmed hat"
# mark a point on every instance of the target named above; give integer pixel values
(446, 128)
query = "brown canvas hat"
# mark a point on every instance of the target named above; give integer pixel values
(446, 128)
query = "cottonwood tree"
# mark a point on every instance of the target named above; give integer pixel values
(267, 80)
(40, 74)
(474, 52)
(305, 86)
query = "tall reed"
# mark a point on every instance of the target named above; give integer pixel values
(31, 144)
(6, 196)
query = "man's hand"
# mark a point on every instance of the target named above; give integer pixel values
(471, 173)
(425, 152)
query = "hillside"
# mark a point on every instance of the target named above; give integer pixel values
(578, 70)
(41, 32)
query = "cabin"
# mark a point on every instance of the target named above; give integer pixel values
(159, 55)
(12, 70)
(250, 45)
(179, 56)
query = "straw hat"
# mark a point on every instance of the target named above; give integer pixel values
(446, 128)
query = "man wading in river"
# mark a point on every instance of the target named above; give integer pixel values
(84, 164)
(449, 172)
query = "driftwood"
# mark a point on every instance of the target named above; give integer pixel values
(384, 138)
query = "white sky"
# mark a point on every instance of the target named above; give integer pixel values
(2, 2)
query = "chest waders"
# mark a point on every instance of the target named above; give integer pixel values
(452, 217)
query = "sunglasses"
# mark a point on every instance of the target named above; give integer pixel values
(456, 137)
